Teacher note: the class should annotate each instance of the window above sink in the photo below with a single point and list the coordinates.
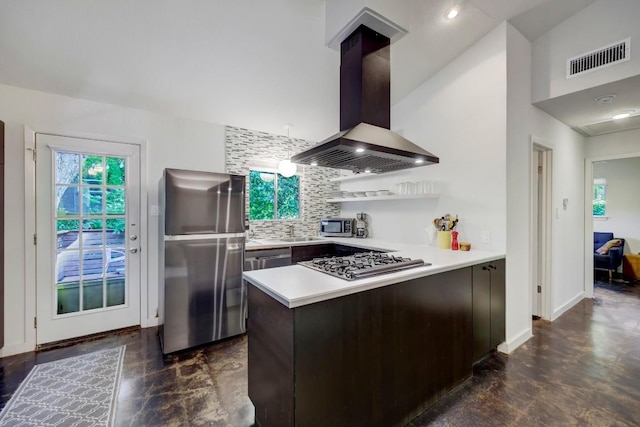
(273, 196)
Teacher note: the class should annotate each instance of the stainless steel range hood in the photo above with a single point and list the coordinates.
(365, 142)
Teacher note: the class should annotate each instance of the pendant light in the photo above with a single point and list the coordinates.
(285, 167)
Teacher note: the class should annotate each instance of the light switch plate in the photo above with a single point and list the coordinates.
(485, 236)
(155, 210)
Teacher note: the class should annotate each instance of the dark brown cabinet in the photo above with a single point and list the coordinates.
(374, 358)
(488, 307)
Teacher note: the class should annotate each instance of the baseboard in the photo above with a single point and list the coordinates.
(13, 349)
(510, 345)
(567, 306)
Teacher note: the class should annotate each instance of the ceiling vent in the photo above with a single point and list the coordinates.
(600, 58)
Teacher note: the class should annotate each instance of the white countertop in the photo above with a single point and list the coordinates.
(295, 285)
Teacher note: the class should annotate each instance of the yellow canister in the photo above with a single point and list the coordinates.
(443, 239)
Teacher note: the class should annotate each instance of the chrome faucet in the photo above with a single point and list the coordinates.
(290, 230)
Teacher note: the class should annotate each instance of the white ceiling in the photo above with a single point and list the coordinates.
(252, 63)
(581, 111)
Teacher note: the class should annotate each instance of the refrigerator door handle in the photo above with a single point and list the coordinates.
(192, 237)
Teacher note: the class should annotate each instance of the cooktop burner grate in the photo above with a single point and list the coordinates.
(362, 265)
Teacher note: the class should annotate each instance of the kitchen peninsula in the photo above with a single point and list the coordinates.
(371, 352)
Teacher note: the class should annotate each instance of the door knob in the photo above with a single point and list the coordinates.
(133, 237)
(133, 250)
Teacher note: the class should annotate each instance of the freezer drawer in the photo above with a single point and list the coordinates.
(204, 296)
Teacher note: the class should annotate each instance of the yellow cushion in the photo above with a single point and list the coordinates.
(604, 249)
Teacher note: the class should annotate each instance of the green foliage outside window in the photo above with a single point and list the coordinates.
(263, 203)
(599, 199)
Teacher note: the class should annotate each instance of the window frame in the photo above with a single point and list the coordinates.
(274, 170)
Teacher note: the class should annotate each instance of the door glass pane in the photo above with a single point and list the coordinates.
(115, 232)
(115, 201)
(68, 298)
(67, 233)
(92, 264)
(92, 169)
(67, 203)
(67, 279)
(92, 233)
(67, 266)
(67, 168)
(91, 201)
(116, 171)
(92, 294)
(115, 269)
(115, 291)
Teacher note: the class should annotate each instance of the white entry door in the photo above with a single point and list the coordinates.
(87, 228)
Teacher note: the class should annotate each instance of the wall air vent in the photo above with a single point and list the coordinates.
(603, 57)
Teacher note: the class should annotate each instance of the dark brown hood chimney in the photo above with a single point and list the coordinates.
(365, 142)
(365, 77)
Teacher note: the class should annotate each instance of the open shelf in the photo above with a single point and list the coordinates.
(389, 197)
(353, 177)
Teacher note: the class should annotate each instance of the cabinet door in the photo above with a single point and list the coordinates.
(498, 298)
(481, 310)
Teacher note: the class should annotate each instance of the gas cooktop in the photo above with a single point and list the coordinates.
(362, 265)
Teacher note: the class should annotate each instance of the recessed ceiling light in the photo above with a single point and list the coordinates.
(622, 115)
(605, 100)
(418, 161)
(367, 171)
(359, 150)
(453, 12)
(314, 163)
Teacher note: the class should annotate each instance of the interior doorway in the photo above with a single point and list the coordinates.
(620, 218)
(541, 191)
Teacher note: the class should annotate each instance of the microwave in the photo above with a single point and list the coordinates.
(336, 227)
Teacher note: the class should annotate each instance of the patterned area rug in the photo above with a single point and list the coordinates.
(77, 391)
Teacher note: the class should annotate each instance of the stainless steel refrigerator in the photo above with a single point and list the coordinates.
(202, 295)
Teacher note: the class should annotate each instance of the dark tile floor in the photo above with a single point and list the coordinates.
(581, 370)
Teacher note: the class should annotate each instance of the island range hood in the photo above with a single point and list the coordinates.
(365, 143)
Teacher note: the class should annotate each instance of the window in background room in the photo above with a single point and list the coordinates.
(272, 196)
(599, 197)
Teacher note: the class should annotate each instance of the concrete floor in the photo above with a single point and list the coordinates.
(583, 370)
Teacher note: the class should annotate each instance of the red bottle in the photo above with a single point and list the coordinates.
(454, 240)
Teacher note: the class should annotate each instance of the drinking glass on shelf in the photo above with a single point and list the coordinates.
(417, 188)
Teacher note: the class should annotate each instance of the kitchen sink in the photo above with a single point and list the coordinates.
(299, 239)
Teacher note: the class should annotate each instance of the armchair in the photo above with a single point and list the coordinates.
(612, 259)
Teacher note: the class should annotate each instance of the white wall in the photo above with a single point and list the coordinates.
(598, 25)
(172, 142)
(460, 116)
(613, 145)
(523, 121)
(623, 205)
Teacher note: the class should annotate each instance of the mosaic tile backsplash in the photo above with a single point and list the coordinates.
(244, 147)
